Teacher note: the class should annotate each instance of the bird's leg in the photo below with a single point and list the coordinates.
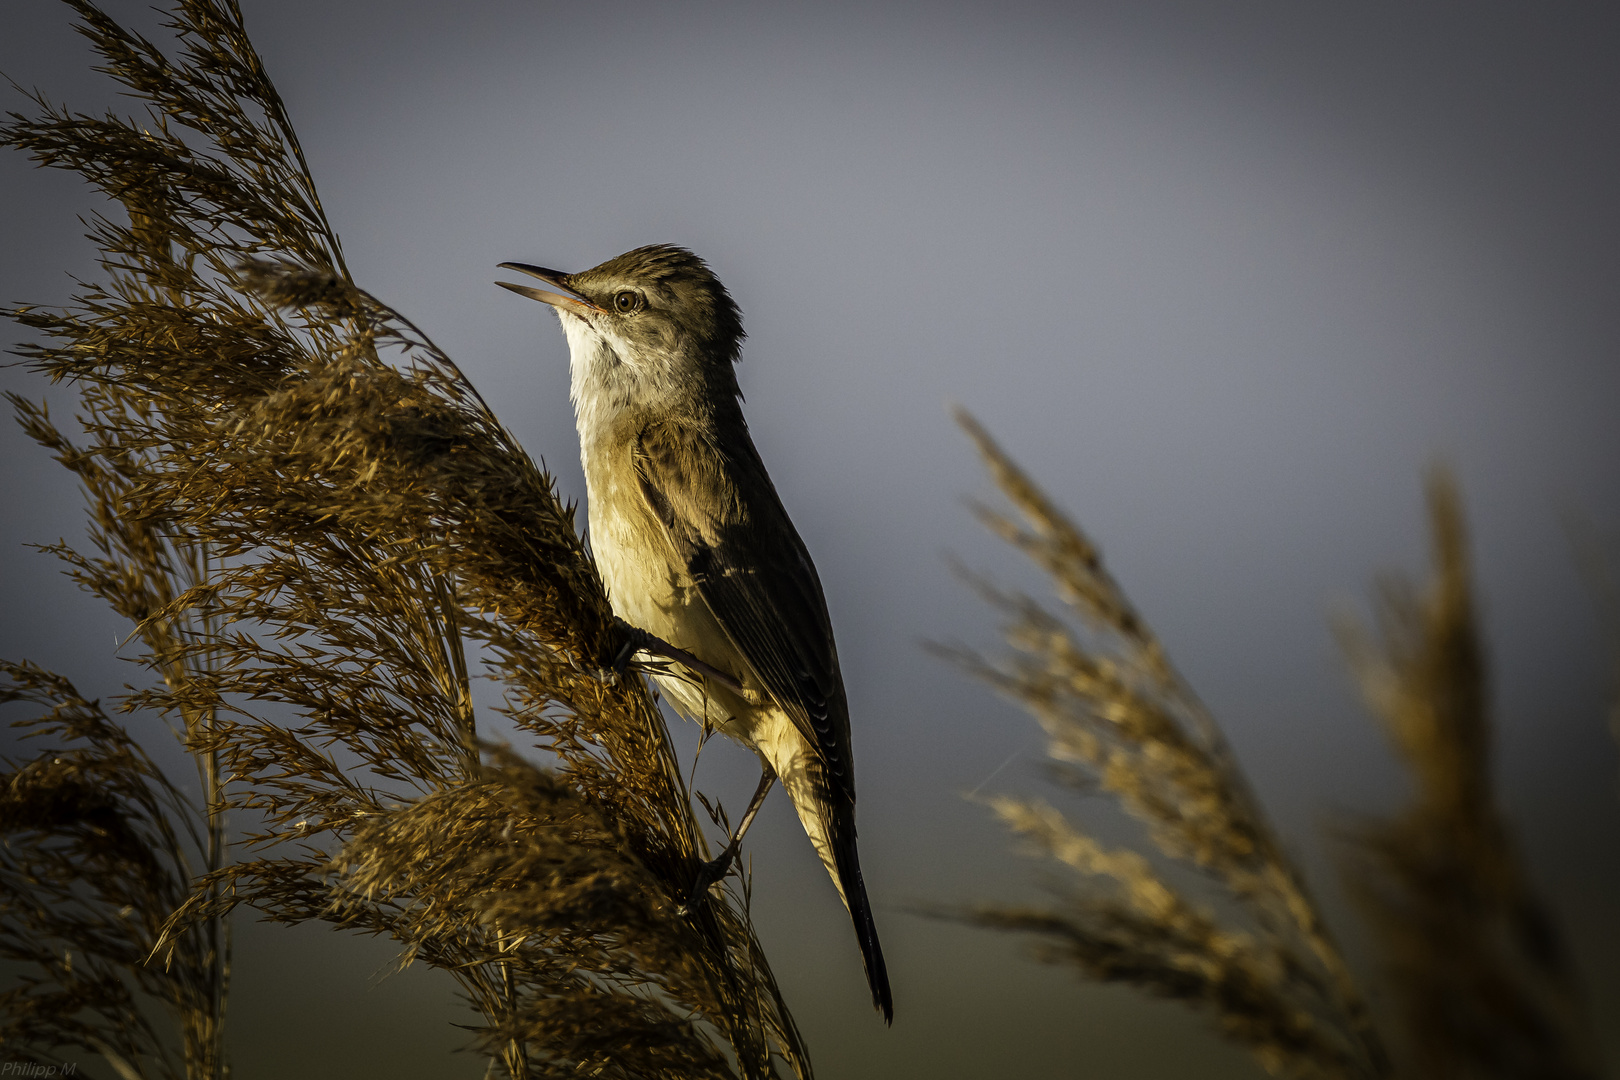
(633, 643)
(639, 640)
(715, 869)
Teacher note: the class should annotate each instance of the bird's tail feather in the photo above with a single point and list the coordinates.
(848, 865)
(828, 817)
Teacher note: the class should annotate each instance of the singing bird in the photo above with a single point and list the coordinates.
(695, 547)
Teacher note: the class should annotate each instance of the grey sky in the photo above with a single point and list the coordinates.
(1226, 278)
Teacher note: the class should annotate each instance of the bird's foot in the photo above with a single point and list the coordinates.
(708, 875)
(635, 639)
(639, 640)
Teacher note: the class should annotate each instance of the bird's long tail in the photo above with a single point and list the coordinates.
(848, 875)
(828, 817)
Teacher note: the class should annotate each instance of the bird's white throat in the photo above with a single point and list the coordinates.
(601, 385)
(608, 380)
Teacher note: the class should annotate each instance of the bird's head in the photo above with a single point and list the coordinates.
(645, 326)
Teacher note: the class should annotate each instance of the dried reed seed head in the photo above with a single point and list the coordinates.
(1485, 986)
(320, 532)
(283, 284)
(51, 795)
(1112, 705)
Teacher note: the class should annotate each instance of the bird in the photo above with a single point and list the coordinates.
(699, 556)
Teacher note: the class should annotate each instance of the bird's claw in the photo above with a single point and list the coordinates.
(634, 640)
(637, 639)
(708, 875)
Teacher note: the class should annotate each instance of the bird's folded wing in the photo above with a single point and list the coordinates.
(726, 524)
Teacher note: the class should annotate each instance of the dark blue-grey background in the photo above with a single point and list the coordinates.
(1227, 278)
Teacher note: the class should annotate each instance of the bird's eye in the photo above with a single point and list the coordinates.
(626, 302)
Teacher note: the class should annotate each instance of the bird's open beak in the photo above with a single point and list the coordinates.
(571, 302)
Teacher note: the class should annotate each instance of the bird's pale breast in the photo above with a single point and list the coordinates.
(651, 590)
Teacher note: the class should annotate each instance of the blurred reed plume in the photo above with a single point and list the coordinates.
(1484, 985)
(1118, 716)
(320, 533)
(1473, 958)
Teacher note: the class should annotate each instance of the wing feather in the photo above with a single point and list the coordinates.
(726, 523)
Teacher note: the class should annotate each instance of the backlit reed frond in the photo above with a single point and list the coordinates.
(1484, 985)
(334, 516)
(1117, 716)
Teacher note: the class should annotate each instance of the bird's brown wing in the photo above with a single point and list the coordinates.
(726, 524)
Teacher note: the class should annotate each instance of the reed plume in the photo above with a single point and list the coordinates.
(1118, 716)
(100, 847)
(321, 534)
(1484, 984)
(1486, 991)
